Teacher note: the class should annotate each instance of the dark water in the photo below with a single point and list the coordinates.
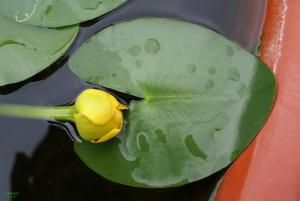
(36, 157)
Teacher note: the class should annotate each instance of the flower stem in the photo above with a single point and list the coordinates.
(61, 113)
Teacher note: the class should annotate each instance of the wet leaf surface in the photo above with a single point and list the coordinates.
(204, 100)
(26, 50)
(55, 13)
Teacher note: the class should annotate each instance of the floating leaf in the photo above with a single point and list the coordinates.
(27, 50)
(204, 100)
(55, 13)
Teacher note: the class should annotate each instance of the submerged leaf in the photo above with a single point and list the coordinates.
(204, 100)
(27, 50)
(55, 13)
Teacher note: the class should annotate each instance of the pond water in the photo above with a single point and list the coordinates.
(37, 160)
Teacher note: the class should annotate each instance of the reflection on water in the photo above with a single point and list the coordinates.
(37, 159)
(69, 128)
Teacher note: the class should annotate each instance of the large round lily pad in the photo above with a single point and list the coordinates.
(55, 13)
(27, 50)
(204, 100)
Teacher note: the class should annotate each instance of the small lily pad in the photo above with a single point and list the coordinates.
(27, 50)
(204, 100)
(55, 13)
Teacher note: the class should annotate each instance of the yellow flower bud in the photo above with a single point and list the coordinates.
(98, 116)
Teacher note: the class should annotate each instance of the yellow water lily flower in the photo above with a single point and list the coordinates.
(98, 115)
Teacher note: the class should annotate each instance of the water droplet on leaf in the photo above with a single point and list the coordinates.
(233, 74)
(194, 148)
(229, 51)
(217, 130)
(161, 137)
(134, 51)
(48, 10)
(152, 46)
(191, 68)
(212, 70)
(142, 142)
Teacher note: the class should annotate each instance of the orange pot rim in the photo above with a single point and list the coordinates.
(269, 170)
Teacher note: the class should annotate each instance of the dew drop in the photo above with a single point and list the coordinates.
(194, 148)
(152, 46)
(160, 136)
(191, 68)
(138, 64)
(209, 84)
(229, 51)
(142, 142)
(233, 74)
(212, 70)
(134, 51)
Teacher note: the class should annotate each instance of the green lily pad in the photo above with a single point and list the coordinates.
(55, 13)
(204, 100)
(27, 50)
